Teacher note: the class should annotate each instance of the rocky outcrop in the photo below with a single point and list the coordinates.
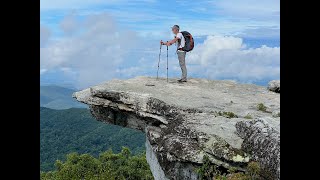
(274, 86)
(184, 122)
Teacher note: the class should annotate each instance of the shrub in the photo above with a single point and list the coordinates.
(206, 171)
(262, 107)
(227, 114)
(248, 116)
(238, 176)
(210, 171)
(253, 170)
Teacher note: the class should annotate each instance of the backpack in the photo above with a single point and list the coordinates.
(189, 41)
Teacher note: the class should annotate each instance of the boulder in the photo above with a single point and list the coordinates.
(274, 86)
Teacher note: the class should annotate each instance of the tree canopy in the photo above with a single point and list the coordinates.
(108, 166)
(75, 130)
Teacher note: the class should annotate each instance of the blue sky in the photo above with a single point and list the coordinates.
(84, 42)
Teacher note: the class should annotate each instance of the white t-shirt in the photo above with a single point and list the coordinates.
(182, 42)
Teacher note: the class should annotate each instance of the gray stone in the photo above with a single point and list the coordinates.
(274, 86)
(185, 121)
(152, 160)
(276, 113)
(263, 143)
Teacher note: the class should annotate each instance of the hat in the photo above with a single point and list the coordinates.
(175, 26)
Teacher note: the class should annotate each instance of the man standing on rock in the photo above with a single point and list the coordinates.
(181, 53)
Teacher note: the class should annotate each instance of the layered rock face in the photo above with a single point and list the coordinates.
(185, 121)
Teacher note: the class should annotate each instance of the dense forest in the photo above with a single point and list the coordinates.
(108, 166)
(75, 130)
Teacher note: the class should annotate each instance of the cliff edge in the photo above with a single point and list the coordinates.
(231, 123)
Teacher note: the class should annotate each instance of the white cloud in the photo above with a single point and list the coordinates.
(232, 17)
(99, 50)
(129, 72)
(69, 24)
(212, 46)
(92, 55)
(218, 57)
(45, 34)
(257, 32)
(43, 71)
(226, 57)
(224, 17)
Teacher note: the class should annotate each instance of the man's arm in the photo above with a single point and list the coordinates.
(169, 43)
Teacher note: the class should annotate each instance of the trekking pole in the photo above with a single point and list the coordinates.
(167, 62)
(159, 60)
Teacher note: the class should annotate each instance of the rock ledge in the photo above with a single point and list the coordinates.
(184, 122)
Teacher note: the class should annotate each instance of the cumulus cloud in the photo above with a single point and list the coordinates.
(93, 54)
(218, 57)
(228, 58)
(212, 46)
(99, 50)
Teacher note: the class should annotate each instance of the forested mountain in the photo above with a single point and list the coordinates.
(56, 97)
(75, 130)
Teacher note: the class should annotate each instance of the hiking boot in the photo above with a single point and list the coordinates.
(182, 80)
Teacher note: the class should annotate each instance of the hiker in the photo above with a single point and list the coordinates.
(182, 48)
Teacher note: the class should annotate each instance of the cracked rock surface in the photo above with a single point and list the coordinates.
(185, 121)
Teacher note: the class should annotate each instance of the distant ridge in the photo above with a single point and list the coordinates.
(56, 97)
